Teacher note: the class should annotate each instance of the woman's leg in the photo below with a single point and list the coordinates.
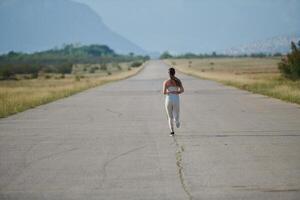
(169, 110)
(176, 112)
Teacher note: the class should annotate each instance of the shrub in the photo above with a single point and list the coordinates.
(47, 76)
(108, 73)
(277, 54)
(258, 55)
(116, 65)
(26, 77)
(93, 70)
(6, 72)
(290, 65)
(65, 68)
(77, 78)
(34, 75)
(136, 64)
(103, 66)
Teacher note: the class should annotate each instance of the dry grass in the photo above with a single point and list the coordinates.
(17, 96)
(258, 75)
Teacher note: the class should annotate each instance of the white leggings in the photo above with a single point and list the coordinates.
(172, 108)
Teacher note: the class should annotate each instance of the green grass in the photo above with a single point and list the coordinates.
(258, 75)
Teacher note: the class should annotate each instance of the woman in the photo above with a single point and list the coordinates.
(172, 88)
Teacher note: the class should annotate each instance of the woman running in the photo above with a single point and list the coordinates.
(172, 88)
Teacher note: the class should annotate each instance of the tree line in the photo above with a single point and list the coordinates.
(60, 60)
(167, 55)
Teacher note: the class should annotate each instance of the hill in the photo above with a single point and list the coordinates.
(36, 25)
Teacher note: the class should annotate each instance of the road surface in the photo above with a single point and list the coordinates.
(112, 142)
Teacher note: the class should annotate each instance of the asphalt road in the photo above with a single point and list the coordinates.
(112, 142)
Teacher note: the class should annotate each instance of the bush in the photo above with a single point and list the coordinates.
(77, 78)
(103, 66)
(290, 65)
(65, 68)
(116, 65)
(277, 54)
(258, 55)
(34, 75)
(93, 70)
(108, 73)
(47, 76)
(6, 72)
(136, 64)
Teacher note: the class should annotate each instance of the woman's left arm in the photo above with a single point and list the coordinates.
(164, 88)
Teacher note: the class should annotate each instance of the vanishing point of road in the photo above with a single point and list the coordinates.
(112, 142)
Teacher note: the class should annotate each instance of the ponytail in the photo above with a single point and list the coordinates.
(177, 81)
(174, 78)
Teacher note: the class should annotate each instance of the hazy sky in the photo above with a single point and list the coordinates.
(198, 25)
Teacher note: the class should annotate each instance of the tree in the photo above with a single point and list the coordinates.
(165, 55)
(278, 54)
(290, 65)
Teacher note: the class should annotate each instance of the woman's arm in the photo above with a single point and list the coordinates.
(181, 89)
(164, 87)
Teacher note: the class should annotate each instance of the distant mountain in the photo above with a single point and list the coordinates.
(280, 44)
(35, 25)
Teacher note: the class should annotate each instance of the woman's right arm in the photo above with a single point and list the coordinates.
(181, 89)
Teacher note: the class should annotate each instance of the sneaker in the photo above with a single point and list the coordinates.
(172, 133)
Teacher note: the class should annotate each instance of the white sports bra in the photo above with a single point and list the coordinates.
(172, 88)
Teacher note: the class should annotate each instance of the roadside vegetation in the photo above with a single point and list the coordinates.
(29, 80)
(272, 76)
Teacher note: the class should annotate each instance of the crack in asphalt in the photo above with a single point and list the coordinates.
(50, 156)
(179, 151)
(115, 112)
(115, 158)
(29, 164)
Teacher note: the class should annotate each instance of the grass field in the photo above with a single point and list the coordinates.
(19, 95)
(258, 75)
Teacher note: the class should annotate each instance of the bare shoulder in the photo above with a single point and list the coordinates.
(166, 82)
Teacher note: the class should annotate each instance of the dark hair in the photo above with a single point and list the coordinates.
(173, 77)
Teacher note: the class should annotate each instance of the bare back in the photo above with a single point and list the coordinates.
(170, 86)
